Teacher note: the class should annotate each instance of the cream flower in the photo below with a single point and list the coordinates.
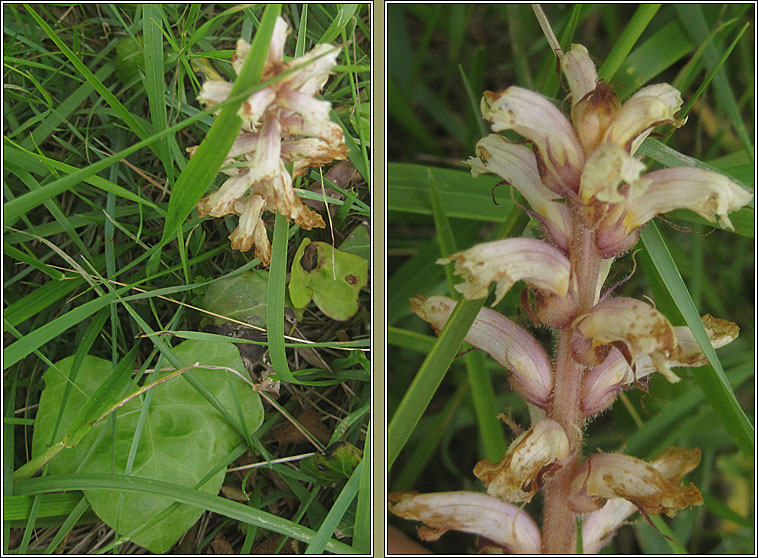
(599, 526)
(505, 524)
(614, 475)
(593, 156)
(528, 462)
(282, 122)
(514, 348)
(506, 261)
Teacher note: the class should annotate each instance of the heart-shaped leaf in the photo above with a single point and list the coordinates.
(183, 437)
(242, 297)
(358, 242)
(331, 278)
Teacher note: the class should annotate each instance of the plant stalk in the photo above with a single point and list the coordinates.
(558, 527)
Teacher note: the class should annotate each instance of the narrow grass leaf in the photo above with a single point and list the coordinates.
(277, 279)
(345, 13)
(123, 113)
(624, 44)
(155, 80)
(182, 494)
(712, 379)
(338, 509)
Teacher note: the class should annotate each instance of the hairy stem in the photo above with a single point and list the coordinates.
(558, 526)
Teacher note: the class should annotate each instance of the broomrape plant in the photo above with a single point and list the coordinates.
(282, 123)
(592, 199)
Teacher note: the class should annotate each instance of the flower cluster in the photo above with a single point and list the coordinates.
(592, 199)
(282, 123)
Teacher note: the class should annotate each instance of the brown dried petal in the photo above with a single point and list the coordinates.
(528, 460)
(613, 475)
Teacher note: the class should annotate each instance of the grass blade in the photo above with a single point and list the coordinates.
(277, 280)
(712, 380)
(182, 494)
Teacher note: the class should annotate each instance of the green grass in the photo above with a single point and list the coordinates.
(440, 59)
(104, 254)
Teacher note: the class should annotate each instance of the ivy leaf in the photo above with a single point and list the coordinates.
(183, 437)
(331, 278)
(243, 297)
(358, 242)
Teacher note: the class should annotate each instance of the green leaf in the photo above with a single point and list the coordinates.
(178, 493)
(712, 379)
(183, 436)
(331, 278)
(334, 464)
(358, 242)
(242, 297)
(461, 195)
(129, 59)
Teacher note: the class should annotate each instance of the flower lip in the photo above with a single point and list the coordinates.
(709, 194)
(537, 263)
(556, 146)
(599, 526)
(634, 322)
(613, 475)
(502, 523)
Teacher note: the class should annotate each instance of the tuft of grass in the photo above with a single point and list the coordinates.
(105, 256)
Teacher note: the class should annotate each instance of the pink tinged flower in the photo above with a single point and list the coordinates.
(537, 263)
(516, 165)
(255, 107)
(305, 105)
(594, 104)
(289, 203)
(580, 72)
(329, 131)
(311, 78)
(606, 169)
(688, 353)
(531, 459)
(614, 475)
(214, 92)
(244, 238)
(306, 153)
(666, 93)
(514, 348)
(221, 202)
(556, 146)
(643, 328)
(265, 163)
(639, 115)
(709, 194)
(504, 524)
(275, 53)
(599, 526)
(601, 384)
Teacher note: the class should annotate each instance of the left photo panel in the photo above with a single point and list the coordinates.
(186, 279)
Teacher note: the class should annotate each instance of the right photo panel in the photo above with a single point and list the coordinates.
(572, 356)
